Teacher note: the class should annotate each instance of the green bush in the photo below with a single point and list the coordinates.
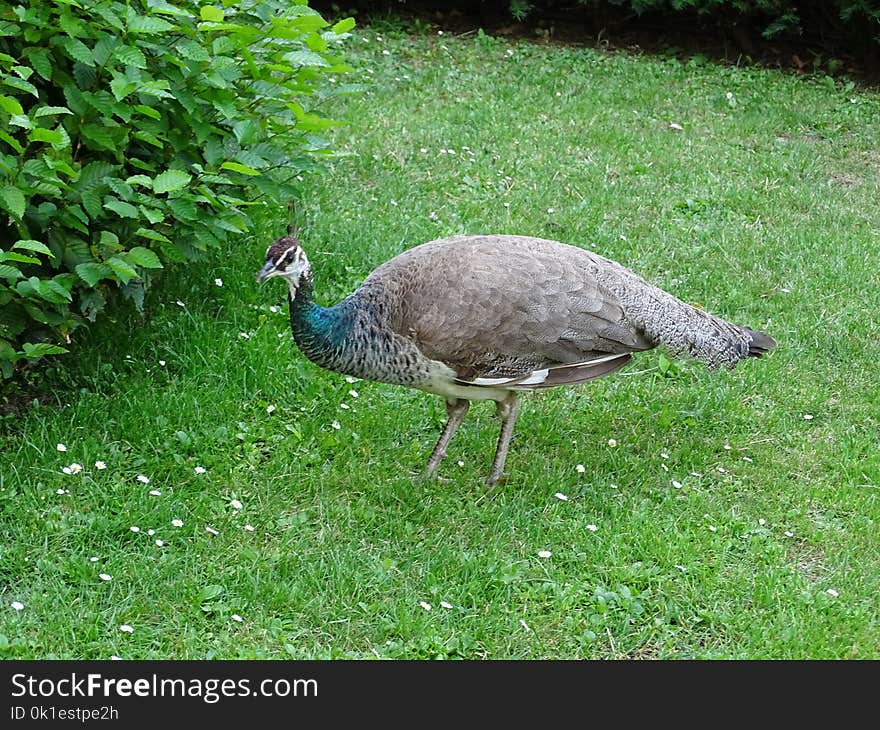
(136, 134)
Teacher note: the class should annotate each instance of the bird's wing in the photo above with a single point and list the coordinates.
(507, 306)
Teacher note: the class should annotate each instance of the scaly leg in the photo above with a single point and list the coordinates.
(456, 410)
(507, 410)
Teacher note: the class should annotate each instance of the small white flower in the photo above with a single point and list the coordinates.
(274, 309)
(66, 470)
(200, 470)
(712, 528)
(270, 409)
(61, 447)
(613, 486)
(93, 559)
(762, 521)
(179, 303)
(509, 51)
(105, 576)
(788, 533)
(159, 543)
(142, 479)
(125, 628)
(676, 484)
(592, 528)
(558, 93)
(236, 617)
(393, 202)
(562, 497)
(151, 532)
(59, 491)
(522, 622)
(680, 567)
(729, 94)
(235, 504)
(134, 528)
(155, 493)
(249, 528)
(663, 466)
(727, 447)
(100, 465)
(460, 462)
(210, 529)
(831, 592)
(218, 282)
(612, 443)
(176, 522)
(425, 605)
(676, 126)
(445, 604)
(344, 406)
(664, 455)
(335, 425)
(423, 150)
(244, 335)
(162, 363)
(746, 458)
(17, 605)
(350, 380)
(386, 52)
(550, 211)
(544, 554)
(75, 468)
(808, 416)
(580, 468)
(721, 469)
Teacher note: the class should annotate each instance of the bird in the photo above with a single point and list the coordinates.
(488, 317)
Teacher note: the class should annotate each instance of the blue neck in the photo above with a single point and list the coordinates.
(320, 332)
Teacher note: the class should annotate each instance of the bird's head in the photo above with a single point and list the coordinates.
(285, 258)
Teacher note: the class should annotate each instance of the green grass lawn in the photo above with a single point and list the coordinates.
(736, 517)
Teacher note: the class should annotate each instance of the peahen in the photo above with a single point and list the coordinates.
(486, 317)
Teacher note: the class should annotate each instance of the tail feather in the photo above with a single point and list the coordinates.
(760, 344)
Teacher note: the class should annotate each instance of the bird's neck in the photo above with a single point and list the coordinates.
(321, 333)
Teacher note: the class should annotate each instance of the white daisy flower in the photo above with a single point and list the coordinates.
(143, 479)
(218, 282)
(105, 576)
(61, 447)
(235, 504)
(200, 470)
(236, 617)
(17, 605)
(561, 497)
(425, 605)
(445, 604)
(100, 465)
(176, 522)
(126, 629)
(544, 554)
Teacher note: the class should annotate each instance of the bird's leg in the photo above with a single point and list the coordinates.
(507, 410)
(456, 410)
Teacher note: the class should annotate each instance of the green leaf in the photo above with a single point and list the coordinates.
(9, 272)
(148, 111)
(41, 348)
(152, 235)
(211, 14)
(46, 111)
(124, 270)
(343, 26)
(144, 257)
(91, 302)
(10, 105)
(79, 51)
(40, 134)
(22, 259)
(210, 592)
(192, 50)
(171, 181)
(130, 56)
(148, 24)
(126, 210)
(21, 85)
(92, 273)
(31, 245)
(238, 167)
(12, 200)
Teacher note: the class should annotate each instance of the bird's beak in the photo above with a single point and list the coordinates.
(265, 272)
